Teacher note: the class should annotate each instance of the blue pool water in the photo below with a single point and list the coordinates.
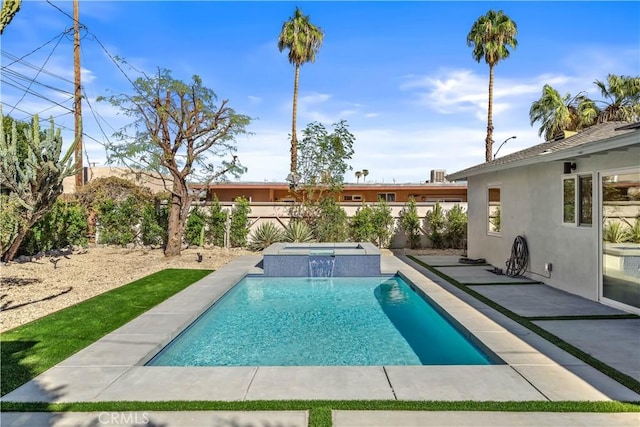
(348, 321)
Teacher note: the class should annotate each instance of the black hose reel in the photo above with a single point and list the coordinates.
(519, 259)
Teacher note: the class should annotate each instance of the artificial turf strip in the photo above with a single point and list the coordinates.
(31, 349)
(320, 411)
(587, 317)
(624, 379)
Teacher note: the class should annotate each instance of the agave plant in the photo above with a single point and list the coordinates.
(633, 232)
(264, 236)
(298, 232)
(614, 232)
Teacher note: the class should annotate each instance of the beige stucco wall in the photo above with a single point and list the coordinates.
(531, 199)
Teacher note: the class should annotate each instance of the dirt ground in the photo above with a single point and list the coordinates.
(34, 289)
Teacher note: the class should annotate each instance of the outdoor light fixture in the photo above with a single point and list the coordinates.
(503, 142)
(569, 166)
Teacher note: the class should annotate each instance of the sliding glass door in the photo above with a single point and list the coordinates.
(620, 195)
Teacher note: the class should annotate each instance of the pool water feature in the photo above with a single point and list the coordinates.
(299, 259)
(366, 321)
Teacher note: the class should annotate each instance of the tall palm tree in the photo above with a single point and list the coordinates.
(303, 39)
(557, 113)
(622, 98)
(365, 172)
(490, 37)
(358, 175)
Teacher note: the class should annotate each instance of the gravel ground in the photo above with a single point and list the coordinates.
(34, 289)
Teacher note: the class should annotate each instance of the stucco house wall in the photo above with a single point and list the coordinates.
(531, 206)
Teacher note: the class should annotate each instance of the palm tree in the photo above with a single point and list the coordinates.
(490, 37)
(557, 113)
(303, 39)
(622, 98)
(358, 175)
(365, 172)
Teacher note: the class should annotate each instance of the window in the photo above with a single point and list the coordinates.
(493, 210)
(387, 197)
(585, 191)
(352, 198)
(569, 200)
(577, 200)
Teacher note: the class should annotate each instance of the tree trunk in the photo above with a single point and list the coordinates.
(489, 140)
(294, 137)
(178, 212)
(13, 249)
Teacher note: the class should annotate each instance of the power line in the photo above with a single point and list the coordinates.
(15, 76)
(38, 48)
(38, 73)
(29, 65)
(62, 11)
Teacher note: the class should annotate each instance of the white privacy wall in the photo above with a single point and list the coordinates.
(531, 206)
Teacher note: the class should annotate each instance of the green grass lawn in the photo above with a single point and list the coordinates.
(35, 347)
(31, 349)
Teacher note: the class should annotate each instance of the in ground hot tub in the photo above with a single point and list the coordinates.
(321, 260)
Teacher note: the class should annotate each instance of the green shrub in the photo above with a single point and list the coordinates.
(456, 227)
(331, 223)
(216, 223)
(361, 225)
(10, 219)
(264, 236)
(382, 222)
(195, 227)
(436, 226)
(154, 224)
(409, 223)
(298, 232)
(239, 229)
(66, 223)
(118, 221)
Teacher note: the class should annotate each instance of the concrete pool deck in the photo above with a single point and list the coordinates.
(112, 368)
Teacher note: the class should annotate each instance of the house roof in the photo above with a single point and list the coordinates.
(582, 143)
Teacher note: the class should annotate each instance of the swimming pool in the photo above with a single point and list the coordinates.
(344, 321)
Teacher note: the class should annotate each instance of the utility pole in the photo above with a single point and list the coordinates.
(77, 96)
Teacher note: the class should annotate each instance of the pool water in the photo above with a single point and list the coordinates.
(343, 321)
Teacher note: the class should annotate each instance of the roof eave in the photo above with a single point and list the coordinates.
(585, 149)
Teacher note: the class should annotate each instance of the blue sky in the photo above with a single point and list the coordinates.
(400, 73)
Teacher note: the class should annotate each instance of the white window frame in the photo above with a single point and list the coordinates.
(577, 214)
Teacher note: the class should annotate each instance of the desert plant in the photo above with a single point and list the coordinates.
(614, 232)
(633, 232)
(239, 229)
(361, 226)
(264, 236)
(298, 232)
(456, 227)
(436, 224)
(382, 222)
(409, 223)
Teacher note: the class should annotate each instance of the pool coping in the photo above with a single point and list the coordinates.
(111, 369)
